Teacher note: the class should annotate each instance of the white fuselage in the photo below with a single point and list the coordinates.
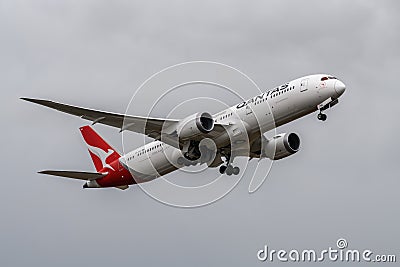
(259, 114)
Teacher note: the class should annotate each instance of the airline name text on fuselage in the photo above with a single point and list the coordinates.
(263, 95)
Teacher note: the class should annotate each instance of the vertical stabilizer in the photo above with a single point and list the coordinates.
(100, 151)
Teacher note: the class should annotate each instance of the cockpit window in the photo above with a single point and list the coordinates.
(328, 78)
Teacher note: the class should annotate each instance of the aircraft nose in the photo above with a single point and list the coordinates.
(339, 87)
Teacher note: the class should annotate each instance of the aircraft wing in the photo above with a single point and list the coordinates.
(152, 127)
(133, 123)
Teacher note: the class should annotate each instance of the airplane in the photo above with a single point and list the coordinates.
(238, 131)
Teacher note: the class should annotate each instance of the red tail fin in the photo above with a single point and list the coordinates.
(102, 153)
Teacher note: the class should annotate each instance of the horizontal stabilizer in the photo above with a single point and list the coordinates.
(76, 175)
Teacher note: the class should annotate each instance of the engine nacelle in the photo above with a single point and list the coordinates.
(195, 125)
(282, 146)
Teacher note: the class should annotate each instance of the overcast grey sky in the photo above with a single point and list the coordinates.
(343, 183)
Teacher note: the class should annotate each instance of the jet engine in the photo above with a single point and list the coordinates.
(281, 146)
(195, 125)
(190, 132)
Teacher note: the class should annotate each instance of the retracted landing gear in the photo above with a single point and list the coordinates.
(321, 116)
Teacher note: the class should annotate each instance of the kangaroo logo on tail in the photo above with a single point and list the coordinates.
(100, 151)
(102, 155)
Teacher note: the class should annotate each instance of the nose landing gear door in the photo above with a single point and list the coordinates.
(304, 85)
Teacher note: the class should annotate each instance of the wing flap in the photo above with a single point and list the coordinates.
(75, 174)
